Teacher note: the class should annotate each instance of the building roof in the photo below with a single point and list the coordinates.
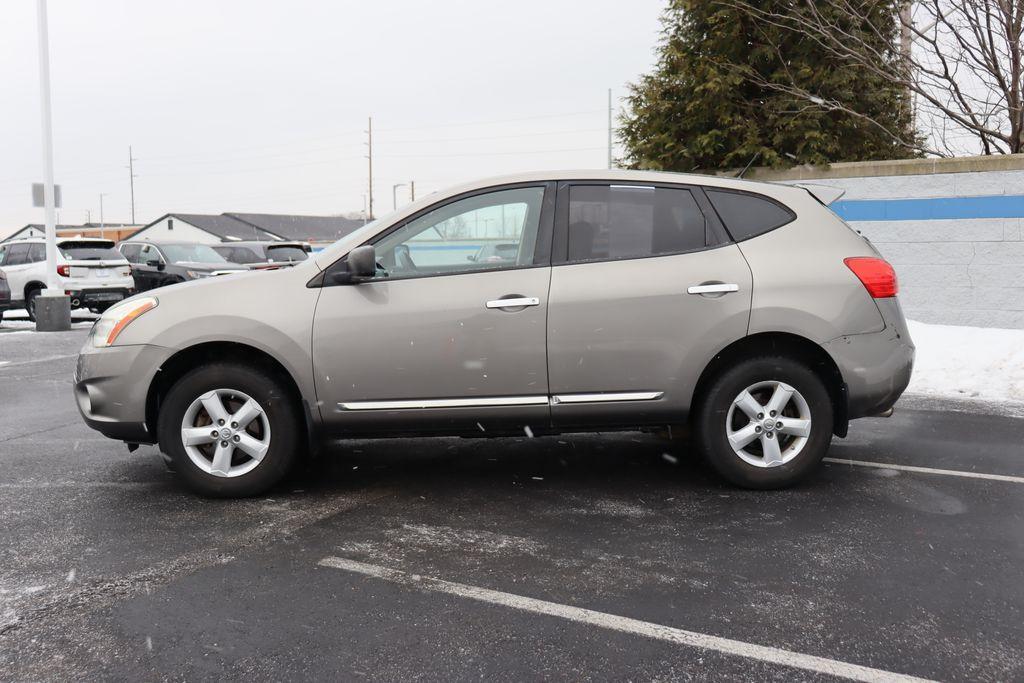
(301, 228)
(226, 227)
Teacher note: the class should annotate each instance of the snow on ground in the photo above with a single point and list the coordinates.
(979, 363)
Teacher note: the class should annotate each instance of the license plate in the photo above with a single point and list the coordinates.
(107, 296)
(102, 272)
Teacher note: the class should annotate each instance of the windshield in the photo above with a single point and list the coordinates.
(288, 253)
(89, 251)
(192, 253)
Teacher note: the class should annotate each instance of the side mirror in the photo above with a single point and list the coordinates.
(362, 262)
(155, 263)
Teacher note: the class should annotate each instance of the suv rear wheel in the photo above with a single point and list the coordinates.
(230, 429)
(765, 423)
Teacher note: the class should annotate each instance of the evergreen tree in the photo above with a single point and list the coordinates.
(729, 88)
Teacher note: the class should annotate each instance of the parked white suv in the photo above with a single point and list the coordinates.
(90, 270)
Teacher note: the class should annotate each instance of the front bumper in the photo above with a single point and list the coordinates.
(112, 385)
(876, 367)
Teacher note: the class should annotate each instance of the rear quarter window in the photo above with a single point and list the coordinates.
(748, 215)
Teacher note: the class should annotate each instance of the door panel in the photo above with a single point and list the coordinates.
(630, 326)
(428, 354)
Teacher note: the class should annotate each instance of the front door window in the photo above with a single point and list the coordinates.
(492, 231)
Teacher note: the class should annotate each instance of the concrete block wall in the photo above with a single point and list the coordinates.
(953, 229)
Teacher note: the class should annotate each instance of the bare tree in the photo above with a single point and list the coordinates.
(961, 63)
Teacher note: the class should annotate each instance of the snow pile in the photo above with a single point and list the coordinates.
(968, 362)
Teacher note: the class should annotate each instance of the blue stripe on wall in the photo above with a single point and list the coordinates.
(996, 206)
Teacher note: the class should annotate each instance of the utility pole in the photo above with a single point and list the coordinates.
(53, 310)
(102, 233)
(369, 157)
(610, 160)
(131, 179)
(394, 196)
(412, 190)
(906, 19)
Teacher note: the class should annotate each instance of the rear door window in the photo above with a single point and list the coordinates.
(37, 253)
(748, 215)
(17, 254)
(131, 252)
(632, 221)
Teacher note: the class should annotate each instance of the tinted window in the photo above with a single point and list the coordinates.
(192, 253)
(3, 255)
(17, 254)
(445, 240)
(131, 252)
(89, 251)
(286, 253)
(747, 215)
(37, 253)
(613, 222)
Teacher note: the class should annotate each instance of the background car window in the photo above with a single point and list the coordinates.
(3, 255)
(192, 253)
(614, 222)
(483, 232)
(89, 251)
(747, 215)
(239, 254)
(286, 253)
(150, 253)
(17, 255)
(37, 253)
(131, 252)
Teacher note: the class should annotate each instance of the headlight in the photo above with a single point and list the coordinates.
(116, 318)
(196, 274)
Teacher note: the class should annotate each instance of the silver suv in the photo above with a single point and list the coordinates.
(632, 300)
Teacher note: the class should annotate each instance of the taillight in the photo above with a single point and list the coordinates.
(64, 271)
(877, 276)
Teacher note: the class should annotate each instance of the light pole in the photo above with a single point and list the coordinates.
(53, 313)
(394, 195)
(102, 233)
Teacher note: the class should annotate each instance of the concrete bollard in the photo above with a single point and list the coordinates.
(53, 312)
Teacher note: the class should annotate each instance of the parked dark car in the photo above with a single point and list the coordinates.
(5, 295)
(264, 255)
(156, 264)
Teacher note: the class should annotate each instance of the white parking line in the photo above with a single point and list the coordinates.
(8, 364)
(927, 470)
(622, 624)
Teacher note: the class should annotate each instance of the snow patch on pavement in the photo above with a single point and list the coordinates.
(972, 363)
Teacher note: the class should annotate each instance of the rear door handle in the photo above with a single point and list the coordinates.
(515, 302)
(718, 288)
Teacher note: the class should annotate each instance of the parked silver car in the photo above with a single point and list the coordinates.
(633, 300)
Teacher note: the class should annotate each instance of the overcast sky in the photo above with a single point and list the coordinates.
(257, 106)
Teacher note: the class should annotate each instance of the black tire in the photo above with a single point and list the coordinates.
(30, 303)
(713, 411)
(279, 405)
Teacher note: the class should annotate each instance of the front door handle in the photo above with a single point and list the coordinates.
(713, 288)
(514, 302)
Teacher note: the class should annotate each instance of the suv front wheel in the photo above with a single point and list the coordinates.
(230, 430)
(765, 423)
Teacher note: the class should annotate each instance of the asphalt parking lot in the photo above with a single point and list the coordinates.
(616, 556)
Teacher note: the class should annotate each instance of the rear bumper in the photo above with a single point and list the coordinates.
(111, 387)
(876, 367)
(99, 295)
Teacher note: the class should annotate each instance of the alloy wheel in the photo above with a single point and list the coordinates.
(768, 424)
(225, 433)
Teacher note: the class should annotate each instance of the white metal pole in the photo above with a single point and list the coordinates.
(610, 162)
(102, 233)
(48, 194)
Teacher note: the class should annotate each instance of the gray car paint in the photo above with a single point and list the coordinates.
(355, 342)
